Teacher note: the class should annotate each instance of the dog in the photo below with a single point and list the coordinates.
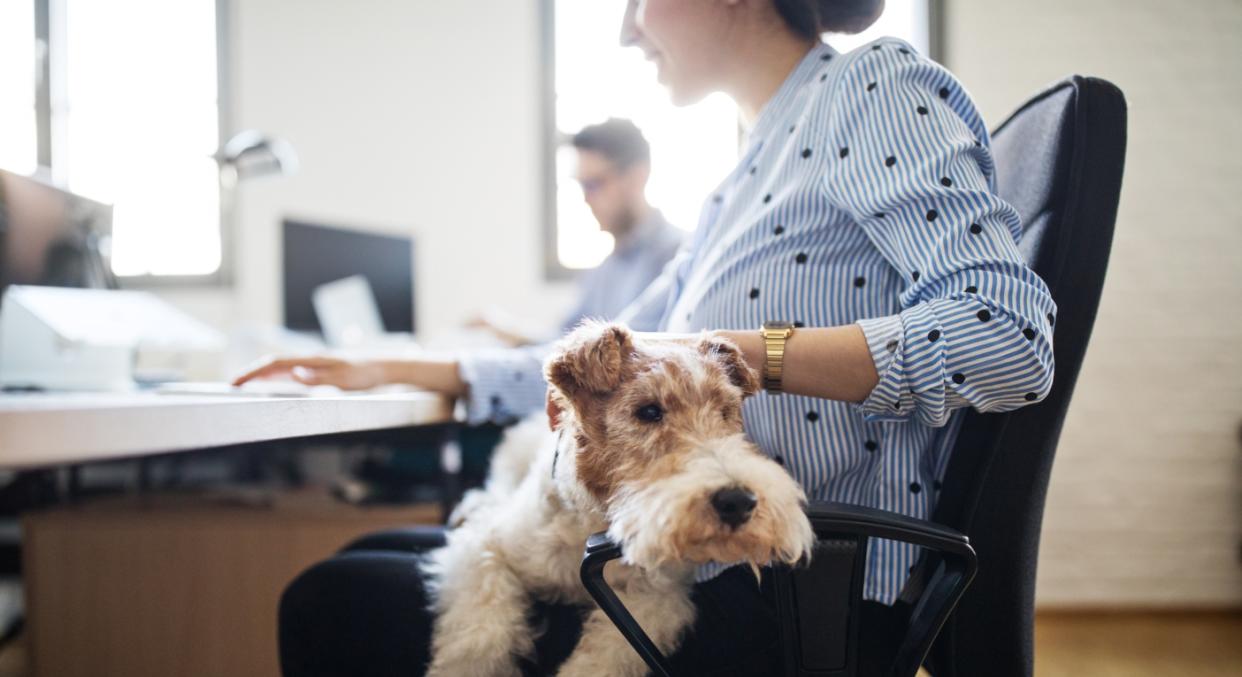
(645, 443)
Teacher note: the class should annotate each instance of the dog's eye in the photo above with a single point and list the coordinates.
(650, 413)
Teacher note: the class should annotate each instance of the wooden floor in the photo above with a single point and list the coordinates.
(1123, 644)
(1078, 644)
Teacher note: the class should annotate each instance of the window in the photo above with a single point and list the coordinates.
(132, 119)
(18, 129)
(692, 148)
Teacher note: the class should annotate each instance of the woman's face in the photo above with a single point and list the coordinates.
(684, 39)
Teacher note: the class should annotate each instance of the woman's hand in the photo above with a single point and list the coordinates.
(318, 370)
(439, 375)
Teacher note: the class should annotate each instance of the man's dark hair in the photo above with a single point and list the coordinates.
(809, 18)
(618, 140)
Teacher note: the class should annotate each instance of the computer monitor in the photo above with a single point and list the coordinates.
(51, 237)
(314, 255)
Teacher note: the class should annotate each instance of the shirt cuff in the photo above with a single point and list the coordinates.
(502, 385)
(887, 338)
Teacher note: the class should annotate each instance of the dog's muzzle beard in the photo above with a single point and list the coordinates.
(725, 503)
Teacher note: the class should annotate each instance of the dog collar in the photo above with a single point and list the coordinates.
(556, 452)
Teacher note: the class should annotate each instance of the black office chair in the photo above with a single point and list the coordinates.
(1059, 163)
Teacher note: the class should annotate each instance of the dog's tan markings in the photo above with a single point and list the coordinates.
(593, 362)
(594, 463)
(729, 357)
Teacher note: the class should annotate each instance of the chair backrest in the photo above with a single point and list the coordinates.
(1059, 162)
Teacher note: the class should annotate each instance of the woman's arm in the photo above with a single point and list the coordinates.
(975, 322)
(440, 375)
(832, 363)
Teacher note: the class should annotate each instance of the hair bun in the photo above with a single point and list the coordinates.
(847, 16)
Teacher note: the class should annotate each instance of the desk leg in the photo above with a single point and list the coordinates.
(144, 476)
(74, 489)
(450, 471)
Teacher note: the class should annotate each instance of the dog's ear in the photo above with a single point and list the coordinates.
(593, 360)
(730, 358)
(553, 409)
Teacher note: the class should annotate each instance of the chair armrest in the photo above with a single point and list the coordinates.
(934, 587)
(839, 518)
(601, 550)
(933, 590)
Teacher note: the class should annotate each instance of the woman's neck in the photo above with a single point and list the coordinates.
(763, 64)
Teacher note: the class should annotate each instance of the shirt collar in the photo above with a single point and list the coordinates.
(773, 112)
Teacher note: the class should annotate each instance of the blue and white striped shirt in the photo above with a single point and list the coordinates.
(866, 195)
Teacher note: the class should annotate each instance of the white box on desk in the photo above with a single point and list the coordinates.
(54, 338)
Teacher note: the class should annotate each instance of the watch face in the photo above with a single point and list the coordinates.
(777, 326)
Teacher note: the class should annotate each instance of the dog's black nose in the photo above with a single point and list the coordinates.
(733, 505)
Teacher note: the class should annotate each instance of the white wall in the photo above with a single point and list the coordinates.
(408, 116)
(1145, 506)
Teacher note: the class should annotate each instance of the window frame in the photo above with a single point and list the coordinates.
(46, 47)
(554, 271)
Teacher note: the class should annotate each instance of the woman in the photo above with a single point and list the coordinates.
(863, 213)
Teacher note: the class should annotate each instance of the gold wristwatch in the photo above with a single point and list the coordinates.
(775, 334)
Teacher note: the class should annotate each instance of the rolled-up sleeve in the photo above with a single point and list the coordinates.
(503, 384)
(913, 170)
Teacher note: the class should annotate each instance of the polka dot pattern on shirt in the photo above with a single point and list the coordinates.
(906, 220)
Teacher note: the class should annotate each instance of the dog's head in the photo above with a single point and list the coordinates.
(655, 429)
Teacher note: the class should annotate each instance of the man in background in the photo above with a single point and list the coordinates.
(614, 163)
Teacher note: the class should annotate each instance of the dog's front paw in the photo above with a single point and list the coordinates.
(589, 668)
(470, 503)
(473, 667)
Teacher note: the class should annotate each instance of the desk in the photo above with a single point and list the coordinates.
(144, 585)
(39, 430)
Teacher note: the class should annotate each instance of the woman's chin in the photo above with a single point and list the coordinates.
(684, 96)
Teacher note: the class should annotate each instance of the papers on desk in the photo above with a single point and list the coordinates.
(249, 389)
(273, 388)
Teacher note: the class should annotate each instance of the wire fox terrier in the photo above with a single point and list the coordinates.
(647, 444)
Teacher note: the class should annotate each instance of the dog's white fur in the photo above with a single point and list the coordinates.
(522, 537)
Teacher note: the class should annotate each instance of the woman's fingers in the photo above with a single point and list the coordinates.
(329, 376)
(281, 366)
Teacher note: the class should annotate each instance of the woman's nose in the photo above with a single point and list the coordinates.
(629, 28)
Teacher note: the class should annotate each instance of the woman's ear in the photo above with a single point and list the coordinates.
(729, 357)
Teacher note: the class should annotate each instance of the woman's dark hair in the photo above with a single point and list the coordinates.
(809, 18)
